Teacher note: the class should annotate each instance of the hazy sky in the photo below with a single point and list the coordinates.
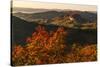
(46, 5)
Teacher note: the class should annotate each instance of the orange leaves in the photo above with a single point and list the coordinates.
(42, 45)
(50, 47)
(88, 51)
(39, 62)
(42, 38)
(28, 40)
(17, 50)
(82, 54)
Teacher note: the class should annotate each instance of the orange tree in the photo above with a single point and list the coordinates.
(42, 47)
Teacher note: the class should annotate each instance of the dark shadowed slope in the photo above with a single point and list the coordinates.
(21, 29)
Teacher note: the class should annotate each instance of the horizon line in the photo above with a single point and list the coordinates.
(49, 5)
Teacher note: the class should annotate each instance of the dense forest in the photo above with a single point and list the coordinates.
(53, 37)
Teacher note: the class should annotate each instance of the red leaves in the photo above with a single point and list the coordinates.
(42, 44)
(28, 40)
(17, 50)
(41, 36)
(44, 47)
(39, 62)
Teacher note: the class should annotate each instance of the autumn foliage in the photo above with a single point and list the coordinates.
(49, 47)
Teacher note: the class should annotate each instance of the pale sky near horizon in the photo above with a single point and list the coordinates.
(46, 5)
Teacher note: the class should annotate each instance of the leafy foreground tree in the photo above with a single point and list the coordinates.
(49, 47)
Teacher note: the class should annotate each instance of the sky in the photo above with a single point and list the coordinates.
(46, 5)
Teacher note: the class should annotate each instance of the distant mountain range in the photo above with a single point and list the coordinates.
(31, 10)
(53, 14)
(37, 10)
(60, 18)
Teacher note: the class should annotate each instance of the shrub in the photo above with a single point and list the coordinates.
(47, 47)
(42, 47)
